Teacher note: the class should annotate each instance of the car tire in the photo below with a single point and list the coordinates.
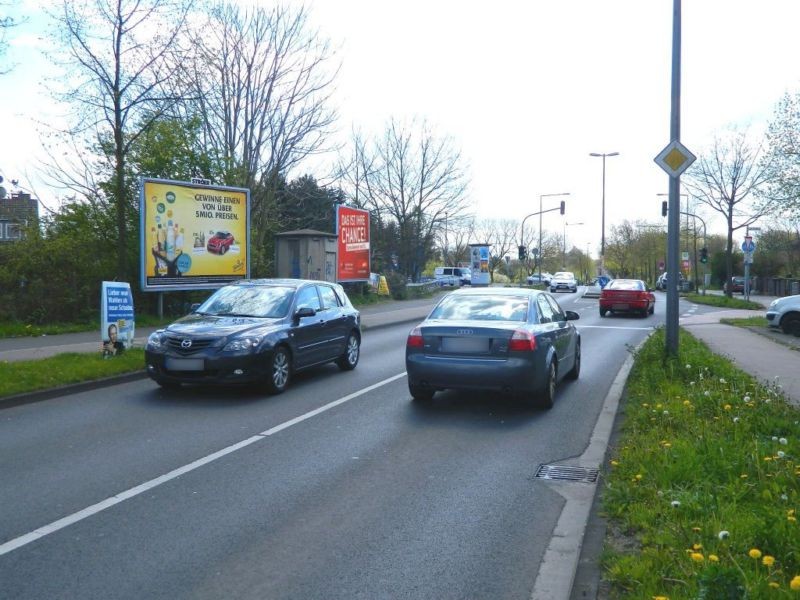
(790, 324)
(603, 312)
(547, 394)
(223, 249)
(352, 351)
(575, 371)
(575, 291)
(652, 310)
(280, 370)
(552, 290)
(420, 394)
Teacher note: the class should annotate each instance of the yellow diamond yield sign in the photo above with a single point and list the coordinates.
(675, 158)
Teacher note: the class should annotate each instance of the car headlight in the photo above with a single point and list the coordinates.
(246, 344)
(774, 303)
(155, 341)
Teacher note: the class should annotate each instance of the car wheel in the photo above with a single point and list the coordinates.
(349, 360)
(421, 394)
(280, 368)
(575, 371)
(791, 324)
(652, 309)
(603, 312)
(223, 249)
(548, 392)
(552, 290)
(575, 291)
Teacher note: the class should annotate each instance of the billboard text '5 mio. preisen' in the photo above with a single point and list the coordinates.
(193, 236)
(352, 226)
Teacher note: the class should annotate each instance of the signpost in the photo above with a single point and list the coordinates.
(748, 247)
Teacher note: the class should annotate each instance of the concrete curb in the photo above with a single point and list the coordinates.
(410, 315)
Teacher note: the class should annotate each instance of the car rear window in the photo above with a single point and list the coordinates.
(482, 308)
(625, 284)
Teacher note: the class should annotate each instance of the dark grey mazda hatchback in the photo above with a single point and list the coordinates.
(254, 331)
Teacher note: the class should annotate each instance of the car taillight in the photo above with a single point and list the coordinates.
(415, 338)
(522, 341)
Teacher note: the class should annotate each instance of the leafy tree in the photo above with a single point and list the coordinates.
(117, 65)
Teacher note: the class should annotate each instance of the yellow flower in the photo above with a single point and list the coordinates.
(795, 583)
(754, 553)
(614, 463)
(686, 403)
(638, 477)
(713, 558)
(727, 407)
(768, 560)
(696, 529)
(660, 598)
(743, 475)
(697, 546)
(791, 519)
(790, 512)
(772, 584)
(697, 557)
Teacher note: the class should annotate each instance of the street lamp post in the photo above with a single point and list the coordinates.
(603, 224)
(564, 254)
(541, 254)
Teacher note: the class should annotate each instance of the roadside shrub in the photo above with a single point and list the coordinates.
(397, 285)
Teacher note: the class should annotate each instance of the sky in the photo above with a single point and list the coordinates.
(525, 89)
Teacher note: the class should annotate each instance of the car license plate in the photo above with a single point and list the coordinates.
(184, 364)
(620, 307)
(465, 344)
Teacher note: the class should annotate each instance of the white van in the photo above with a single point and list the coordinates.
(453, 275)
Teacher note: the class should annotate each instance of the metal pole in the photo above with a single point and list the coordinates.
(539, 251)
(603, 224)
(746, 267)
(673, 221)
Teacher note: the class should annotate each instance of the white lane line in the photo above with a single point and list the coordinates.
(87, 512)
(614, 327)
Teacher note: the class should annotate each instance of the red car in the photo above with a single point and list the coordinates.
(220, 242)
(627, 295)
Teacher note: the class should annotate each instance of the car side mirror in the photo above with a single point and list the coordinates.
(193, 308)
(572, 315)
(304, 311)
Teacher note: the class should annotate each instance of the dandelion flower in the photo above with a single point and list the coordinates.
(688, 366)
(614, 463)
(791, 519)
(697, 557)
(754, 553)
(795, 583)
(696, 529)
(638, 477)
(660, 598)
(723, 535)
(774, 438)
(721, 380)
(782, 441)
(727, 407)
(691, 383)
(780, 454)
(706, 393)
(784, 497)
(746, 398)
(774, 585)
(675, 503)
(735, 419)
(686, 403)
(743, 475)
(713, 558)
(768, 560)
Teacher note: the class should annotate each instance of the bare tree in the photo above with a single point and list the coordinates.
(414, 179)
(729, 179)
(7, 22)
(260, 81)
(116, 58)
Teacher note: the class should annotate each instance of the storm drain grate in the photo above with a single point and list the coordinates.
(565, 473)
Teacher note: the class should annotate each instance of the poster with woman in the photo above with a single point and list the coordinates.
(117, 323)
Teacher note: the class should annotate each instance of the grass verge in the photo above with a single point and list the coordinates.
(724, 301)
(703, 486)
(24, 376)
(748, 322)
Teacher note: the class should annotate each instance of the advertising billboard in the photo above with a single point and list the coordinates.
(353, 261)
(193, 236)
(479, 263)
(117, 323)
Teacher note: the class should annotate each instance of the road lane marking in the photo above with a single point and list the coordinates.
(94, 509)
(615, 327)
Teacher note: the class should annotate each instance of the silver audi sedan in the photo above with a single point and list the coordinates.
(511, 340)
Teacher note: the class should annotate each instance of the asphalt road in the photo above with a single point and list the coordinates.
(339, 488)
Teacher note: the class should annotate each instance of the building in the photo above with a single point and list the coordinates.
(17, 212)
(306, 254)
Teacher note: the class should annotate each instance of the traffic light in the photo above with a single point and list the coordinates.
(664, 208)
(704, 255)
(563, 206)
(522, 252)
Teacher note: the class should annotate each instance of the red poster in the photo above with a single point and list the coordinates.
(353, 230)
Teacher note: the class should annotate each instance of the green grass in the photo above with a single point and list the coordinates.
(31, 375)
(748, 322)
(723, 301)
(10, 329)
(703, 482)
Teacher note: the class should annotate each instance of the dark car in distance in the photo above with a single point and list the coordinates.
(220, 242)
(508, 340)
(257, 331)
(736, 284)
